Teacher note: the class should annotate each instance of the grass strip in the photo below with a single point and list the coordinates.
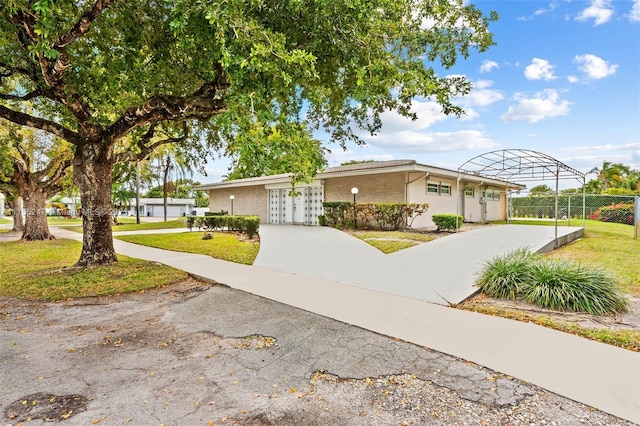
(222, 245)
(48, 275)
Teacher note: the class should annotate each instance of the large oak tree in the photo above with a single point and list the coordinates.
(33, 168)
(110, 76)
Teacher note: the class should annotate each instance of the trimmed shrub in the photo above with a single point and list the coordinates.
(220, 213)
(447, 222)
(191, 221)
(337, 212)
(383, 216)
(246, 224)
(251, 225)
(551, 284)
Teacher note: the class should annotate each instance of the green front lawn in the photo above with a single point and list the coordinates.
(42, 270)
(129, 224)
(391, 241)
(223, 245)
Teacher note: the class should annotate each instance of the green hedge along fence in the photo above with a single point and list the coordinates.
(383, 216)
(246, 224)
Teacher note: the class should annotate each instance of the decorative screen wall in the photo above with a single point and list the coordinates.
(283, 208)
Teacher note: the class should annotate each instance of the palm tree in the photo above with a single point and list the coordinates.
(170, 159)
(120, 197)
(611, 175)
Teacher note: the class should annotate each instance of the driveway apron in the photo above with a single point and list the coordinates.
(441, 271)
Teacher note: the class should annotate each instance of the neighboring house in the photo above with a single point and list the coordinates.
(477, 198)
(63, 206)
(151, 207)
(154, 207)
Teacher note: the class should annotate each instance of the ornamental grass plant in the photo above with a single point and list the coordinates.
(566, 286)
(503, 276)
(551, 284)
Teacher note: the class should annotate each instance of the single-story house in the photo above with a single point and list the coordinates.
(477, 198)
(151, 207)
(154, 207)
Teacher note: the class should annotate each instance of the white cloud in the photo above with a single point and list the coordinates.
(542, 11)
(488, 66)
(481, 95)
(428, 112)
(595, 67)
(599, 10)
(540, 69)
(634, 15)
(573, 79)
(424, 142)
(546, 104)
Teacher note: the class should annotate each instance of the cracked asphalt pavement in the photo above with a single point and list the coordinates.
(195, 354)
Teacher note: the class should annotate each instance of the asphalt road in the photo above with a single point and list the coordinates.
(196, 354)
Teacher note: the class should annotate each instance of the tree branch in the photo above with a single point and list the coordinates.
(206, 102)
(147, 148)
(83, 24)
(23, 119)
(26, 97)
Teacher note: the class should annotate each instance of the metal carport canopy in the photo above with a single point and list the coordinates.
(521, 165)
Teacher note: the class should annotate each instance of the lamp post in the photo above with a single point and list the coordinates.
(231, 197)
(354, 191)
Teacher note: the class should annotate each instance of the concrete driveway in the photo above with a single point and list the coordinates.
(441, 271)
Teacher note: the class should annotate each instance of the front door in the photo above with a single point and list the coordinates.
(299, 204)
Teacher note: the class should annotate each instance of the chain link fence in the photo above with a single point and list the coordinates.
(574, 207)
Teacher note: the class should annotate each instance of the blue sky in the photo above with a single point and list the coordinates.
(563, 79)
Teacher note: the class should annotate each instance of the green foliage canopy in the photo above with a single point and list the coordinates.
(118, 78)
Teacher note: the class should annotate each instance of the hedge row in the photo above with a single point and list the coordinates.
(447, 222)
(384, 216)
(246, 224)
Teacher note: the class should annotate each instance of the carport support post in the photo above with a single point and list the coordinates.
(555, 243)
(231, 197)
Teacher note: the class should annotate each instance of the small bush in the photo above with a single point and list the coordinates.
(251, 225)
(382, 216)
(551, 284)
(618, 213)
(246, 224)
(447, 222)
(220, 213)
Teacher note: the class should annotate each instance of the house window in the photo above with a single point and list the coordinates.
(469, 192)
(491, 195)
(432, 188)
(436, 188)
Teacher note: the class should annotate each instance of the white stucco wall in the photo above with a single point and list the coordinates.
(438, 203)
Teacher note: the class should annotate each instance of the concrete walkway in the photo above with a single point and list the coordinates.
(600, 375)
(442, 271)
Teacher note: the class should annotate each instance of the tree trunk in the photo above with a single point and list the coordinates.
(36, 227)
(92, 169)
(164, 185)
(18, 219)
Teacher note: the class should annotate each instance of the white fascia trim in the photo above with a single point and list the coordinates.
(287, 185)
